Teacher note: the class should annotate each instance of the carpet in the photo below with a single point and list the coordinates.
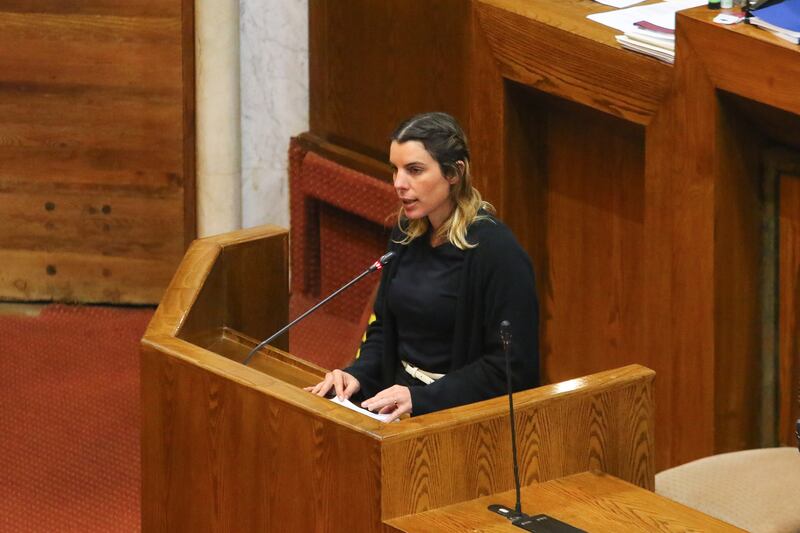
(70, 419)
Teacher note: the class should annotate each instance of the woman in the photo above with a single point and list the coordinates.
(459, 272)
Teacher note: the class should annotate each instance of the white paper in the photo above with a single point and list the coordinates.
(619, 3)
(652, 51)
(354, 407)
(661, 14)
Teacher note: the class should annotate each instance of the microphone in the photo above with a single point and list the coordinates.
(377, 265)
(540, 523)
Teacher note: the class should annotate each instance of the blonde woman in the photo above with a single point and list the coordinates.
(459, 272)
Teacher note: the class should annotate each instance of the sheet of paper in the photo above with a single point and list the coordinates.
(619, 3)
(354, 407)
(661, 14)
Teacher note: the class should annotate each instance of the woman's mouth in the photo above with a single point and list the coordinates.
(407, 202)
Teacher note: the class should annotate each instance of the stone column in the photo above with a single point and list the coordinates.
(218, 116)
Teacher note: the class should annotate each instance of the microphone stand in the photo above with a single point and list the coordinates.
(540, 523)
(377, 265)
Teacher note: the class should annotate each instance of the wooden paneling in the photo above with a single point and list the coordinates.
(219, 456)
(600, 422)
(591, 501)
(789, 307)
(738, 264)
(552, 47)
(400, 57)
(96, 148)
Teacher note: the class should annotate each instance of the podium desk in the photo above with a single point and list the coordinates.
(591, 501)
(229, 447)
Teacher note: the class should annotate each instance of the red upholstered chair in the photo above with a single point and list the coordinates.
(340, 223)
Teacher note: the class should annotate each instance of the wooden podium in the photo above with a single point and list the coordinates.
(227, 447)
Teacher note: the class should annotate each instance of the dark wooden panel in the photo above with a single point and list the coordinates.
(789, 307)
(401, 58)
(96, 147)
(737, 263)
(254, 269)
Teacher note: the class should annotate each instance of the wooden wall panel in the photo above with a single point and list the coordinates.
(737, 263)
(96, 148)
(789, 307)
(582, 222)
(400, 57)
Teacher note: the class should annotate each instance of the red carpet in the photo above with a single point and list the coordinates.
(70, 419)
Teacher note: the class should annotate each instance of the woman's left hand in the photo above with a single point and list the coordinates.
(396, 400)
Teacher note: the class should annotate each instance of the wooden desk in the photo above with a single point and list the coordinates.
(590, 500)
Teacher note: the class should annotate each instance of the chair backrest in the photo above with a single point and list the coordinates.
(340, 224)
(757, 490)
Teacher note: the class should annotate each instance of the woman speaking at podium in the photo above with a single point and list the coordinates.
(458, 273)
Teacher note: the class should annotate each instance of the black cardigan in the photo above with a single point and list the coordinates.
(497, 284)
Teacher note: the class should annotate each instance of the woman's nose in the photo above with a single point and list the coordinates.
(400, 181)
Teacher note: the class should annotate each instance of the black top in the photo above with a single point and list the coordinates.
(422, 297)
(496, 284)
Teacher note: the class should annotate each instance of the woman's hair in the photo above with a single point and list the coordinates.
(445, 141)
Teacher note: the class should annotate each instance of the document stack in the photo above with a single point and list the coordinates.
(782, 19)
(647, 29)
(649, 39)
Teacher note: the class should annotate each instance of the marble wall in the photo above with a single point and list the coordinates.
(274, 102)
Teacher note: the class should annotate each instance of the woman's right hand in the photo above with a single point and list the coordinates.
(343, 383)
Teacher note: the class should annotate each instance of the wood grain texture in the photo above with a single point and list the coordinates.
(591, 501)
(236, 281)
(553, 48)
(789, 308)
(96, 148)
(633, 185)
(738, 263)
(403, 58)
(600, 422)
(228, 447)
(220, 456)
(776, 62)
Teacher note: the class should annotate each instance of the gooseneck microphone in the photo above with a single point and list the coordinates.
(377, 265)
(540, 523)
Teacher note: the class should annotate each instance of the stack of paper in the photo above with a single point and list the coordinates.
(655, 43)
(648, 29)
(782, 19)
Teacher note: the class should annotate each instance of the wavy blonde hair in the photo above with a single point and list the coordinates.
(446, 142)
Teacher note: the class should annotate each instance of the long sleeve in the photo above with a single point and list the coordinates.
(367, 368)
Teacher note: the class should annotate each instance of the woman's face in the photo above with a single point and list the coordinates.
(420, 184)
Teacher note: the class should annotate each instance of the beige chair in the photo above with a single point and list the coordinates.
(757, 490)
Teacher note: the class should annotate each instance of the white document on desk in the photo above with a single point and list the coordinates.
(619, 3)
(354, 407)
(661, 14)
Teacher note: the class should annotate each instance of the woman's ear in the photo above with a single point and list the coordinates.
(460, 168)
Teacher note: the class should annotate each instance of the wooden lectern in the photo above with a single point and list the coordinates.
(232, 448)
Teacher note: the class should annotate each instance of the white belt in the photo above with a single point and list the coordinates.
(426, 377)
